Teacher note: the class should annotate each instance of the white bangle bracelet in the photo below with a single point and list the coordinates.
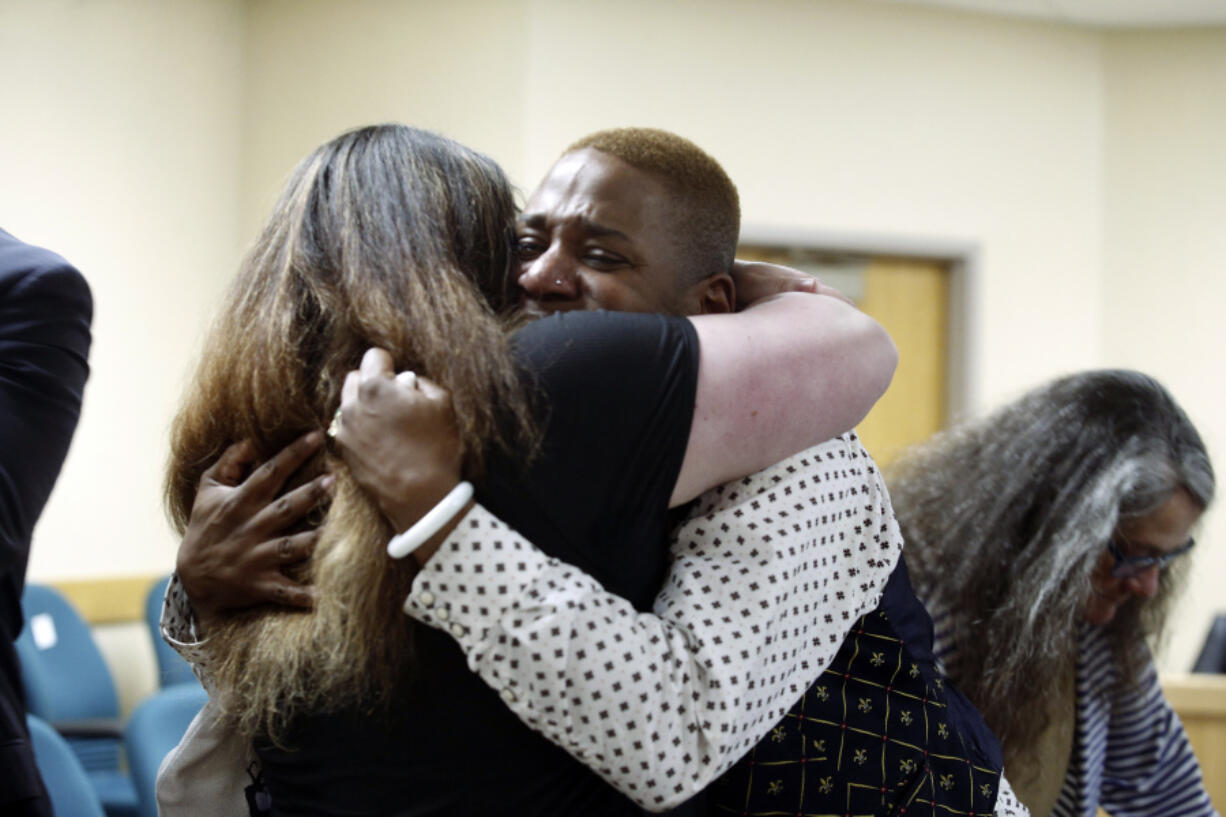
(402, 544)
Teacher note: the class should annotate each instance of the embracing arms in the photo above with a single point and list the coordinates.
(702, 703)
(786, 373)
(794, 370)
(660, 704)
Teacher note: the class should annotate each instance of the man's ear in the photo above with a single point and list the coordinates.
(710, 296)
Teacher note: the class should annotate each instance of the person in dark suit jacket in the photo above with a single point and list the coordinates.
(45, 312)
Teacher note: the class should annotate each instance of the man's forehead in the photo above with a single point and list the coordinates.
(597, 188)
(542, 220)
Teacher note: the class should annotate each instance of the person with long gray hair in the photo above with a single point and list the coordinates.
(1045, 541)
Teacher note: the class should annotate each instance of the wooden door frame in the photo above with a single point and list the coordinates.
(960, 256)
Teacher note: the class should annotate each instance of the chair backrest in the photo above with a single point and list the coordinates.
(66, 781)
(65, 675)
(172, 669)
(155, 728)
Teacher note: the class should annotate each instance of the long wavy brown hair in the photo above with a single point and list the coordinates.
(385, 236)
(1006, 518)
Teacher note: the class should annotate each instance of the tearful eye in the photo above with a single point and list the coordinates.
(528, 247)
(602, 260)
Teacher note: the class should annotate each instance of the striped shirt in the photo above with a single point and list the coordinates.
(1131, 756)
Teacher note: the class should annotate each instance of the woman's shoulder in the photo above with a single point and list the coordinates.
(616, 328)
(631, 376)
(603, 343)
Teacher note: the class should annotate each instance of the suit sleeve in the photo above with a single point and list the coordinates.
(45, 314)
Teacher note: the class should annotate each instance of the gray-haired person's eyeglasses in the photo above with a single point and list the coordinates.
(1129, 566)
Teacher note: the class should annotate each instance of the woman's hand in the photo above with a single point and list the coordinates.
(398, 436)
(755, 281)
(238, 538)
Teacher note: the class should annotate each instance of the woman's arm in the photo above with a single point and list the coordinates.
(1149, 767)
(241, 535)
(758, 367)
(660, 704)
(780, 376)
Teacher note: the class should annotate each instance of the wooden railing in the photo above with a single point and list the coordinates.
(109, 600)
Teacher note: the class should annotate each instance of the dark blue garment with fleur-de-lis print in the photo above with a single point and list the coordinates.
(880, 732)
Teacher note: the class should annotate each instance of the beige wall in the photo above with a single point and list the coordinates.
(1164, 212)
(864, 117)
(145, 140)
(120, 149)
(318, 67)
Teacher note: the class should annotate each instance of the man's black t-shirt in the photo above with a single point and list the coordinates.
(617, 399)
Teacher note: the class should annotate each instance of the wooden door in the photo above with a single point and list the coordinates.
(910, 298)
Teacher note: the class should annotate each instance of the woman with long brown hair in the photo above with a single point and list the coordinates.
(397, 238)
